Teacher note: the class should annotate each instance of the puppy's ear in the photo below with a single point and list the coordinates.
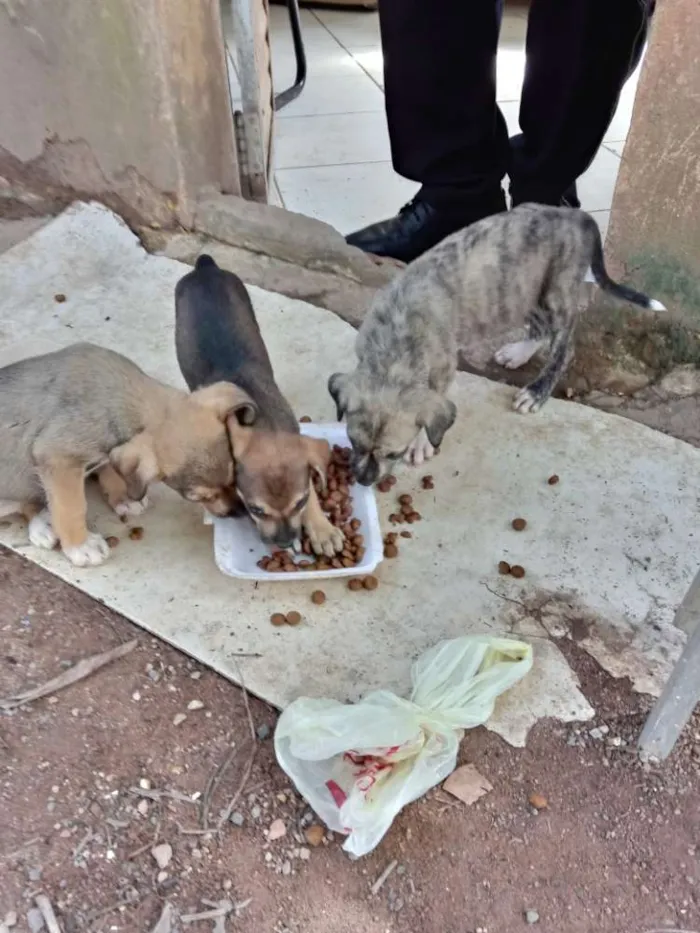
(318, 453)
(338, 386)
(437, 415)
(239, 435)
(226, 400)
(136, 461)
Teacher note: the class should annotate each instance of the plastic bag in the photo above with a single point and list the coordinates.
(359, 764)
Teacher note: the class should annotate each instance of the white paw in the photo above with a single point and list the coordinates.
(525, 402)
(419, 450)
(326, 539)
(91, 553)
(131, 506)
(515, 355)
(41, 534)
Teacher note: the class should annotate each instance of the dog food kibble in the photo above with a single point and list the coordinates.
(112, 541)
(517, 571)
(391, 480)
(504, 567)
(293, 618)
(370, 583)
(384, 485)
(136, 534)
(318, 597)
(553, 480)
(519, 524)
(305, 419)
(391, 551)
(405, 499)
(406, 534)
(277, 618)
(355, 584)
(60, 298)
(427, 482)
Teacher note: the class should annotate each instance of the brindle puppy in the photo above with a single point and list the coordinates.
(522, 267)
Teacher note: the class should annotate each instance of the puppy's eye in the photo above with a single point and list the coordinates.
(256, 512)
(394, 456)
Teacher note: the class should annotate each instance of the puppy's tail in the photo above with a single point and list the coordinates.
(603, 280)
(205, 261)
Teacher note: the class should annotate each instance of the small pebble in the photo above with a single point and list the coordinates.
(237, 819)
(178, 719)
(35, 921)
(314, 835)
(161, 877)
(538, 801)
(276, 831)
(255, 812)
(287, 868)
(34, 874)
(531, 916)
(304, 854)
(195, 704)
(263, 731)
(162, 854)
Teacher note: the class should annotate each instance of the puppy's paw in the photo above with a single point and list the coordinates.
(515, 355)
(325, 538)
(91, 553)
(419, 450)
(41, 533)
(527, 401)
(131, 506)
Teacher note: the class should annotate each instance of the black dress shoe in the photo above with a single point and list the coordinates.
(417, 228)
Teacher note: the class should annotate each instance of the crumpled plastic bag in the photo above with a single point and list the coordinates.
(359, 764)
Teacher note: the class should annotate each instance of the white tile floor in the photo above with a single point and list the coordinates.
(332, 158)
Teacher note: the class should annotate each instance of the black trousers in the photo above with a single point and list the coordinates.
(446, 129)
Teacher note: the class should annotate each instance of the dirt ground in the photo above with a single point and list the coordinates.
(95, 776)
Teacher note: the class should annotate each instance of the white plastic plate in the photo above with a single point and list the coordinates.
(237, 544)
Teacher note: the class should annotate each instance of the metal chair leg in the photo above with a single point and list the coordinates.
(291, 93)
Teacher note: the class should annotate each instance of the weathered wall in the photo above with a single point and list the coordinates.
(654, 231)
(126, 100)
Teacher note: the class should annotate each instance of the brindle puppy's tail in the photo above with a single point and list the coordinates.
(603, 280)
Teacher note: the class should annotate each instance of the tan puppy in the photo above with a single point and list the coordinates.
(87, 410)
(218, 337)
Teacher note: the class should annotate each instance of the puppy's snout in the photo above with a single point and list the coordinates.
(366, 468)
(284, 535)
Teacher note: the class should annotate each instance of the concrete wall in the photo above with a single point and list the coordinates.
(654, 232)
(125, 100)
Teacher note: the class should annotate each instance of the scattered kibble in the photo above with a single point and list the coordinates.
(293, 617)
(519, 524)
(277, 618)
(370, 583)
(427, 482)
(136, 534)
(504, 567)
(391, 551)
(318, 597)
(553, 480)
(406, 534)
(517, 571)
(305, 419)
(112, 541)
(355, 584)
(60, 298)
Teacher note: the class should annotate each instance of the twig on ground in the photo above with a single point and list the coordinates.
(222, 909)
(214, 779)
(126, 901)
(165, 921)
(195, 832)
(223, 819)
(26, 845)
(160, 794)
(81, 845)
(44, 905)
(79, 671)
(382, 879)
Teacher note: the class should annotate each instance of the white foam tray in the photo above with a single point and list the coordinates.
(237, 544)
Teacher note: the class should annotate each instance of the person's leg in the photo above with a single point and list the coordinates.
(445, 129)
(579, 55)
